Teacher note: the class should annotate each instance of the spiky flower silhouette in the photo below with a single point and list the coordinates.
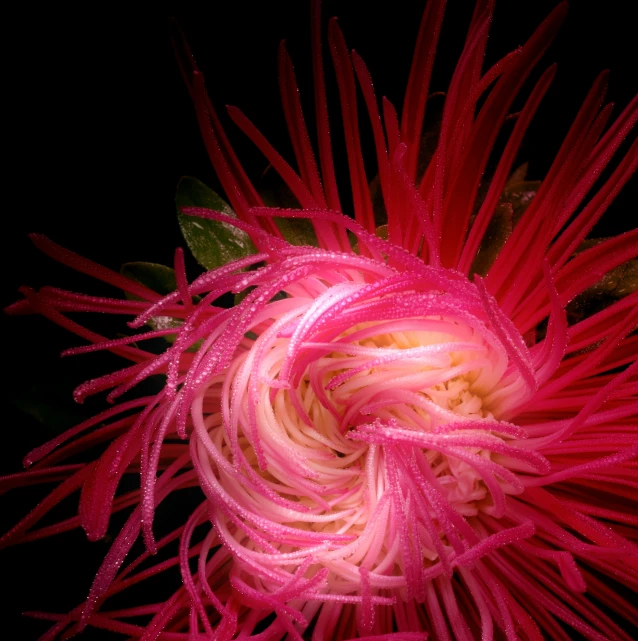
(399, 432)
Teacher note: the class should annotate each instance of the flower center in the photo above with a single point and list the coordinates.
(361, 436)
(362, 446)
(447, 366)
(423, 379)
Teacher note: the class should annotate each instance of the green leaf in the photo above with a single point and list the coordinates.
(297, 231)
(212, 243)
(378, 206)
(497, 232)
(520, 195)
(275, 193)
(518, 175)
(614, 285)
(517, 195)
(241, 295)
(159, 278)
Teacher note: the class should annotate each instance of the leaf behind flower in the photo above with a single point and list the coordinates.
(213, 243)
(159, 278)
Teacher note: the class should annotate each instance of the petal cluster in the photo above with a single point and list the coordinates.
(388, 439)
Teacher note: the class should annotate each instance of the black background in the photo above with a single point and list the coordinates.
(99, 128)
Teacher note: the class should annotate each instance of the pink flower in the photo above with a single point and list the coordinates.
(397, 434)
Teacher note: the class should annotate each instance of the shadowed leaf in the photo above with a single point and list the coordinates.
(297, 231)
(497, 232)
(159, 278)
(614, 285)
(275, 193)
(212, 243)
(520, 195)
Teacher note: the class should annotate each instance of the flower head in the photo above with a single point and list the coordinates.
(398, 430)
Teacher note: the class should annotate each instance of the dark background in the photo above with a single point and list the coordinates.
(100, 128)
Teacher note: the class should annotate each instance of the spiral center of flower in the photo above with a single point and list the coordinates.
(421, 379)
(446, 366)
(348, 443)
